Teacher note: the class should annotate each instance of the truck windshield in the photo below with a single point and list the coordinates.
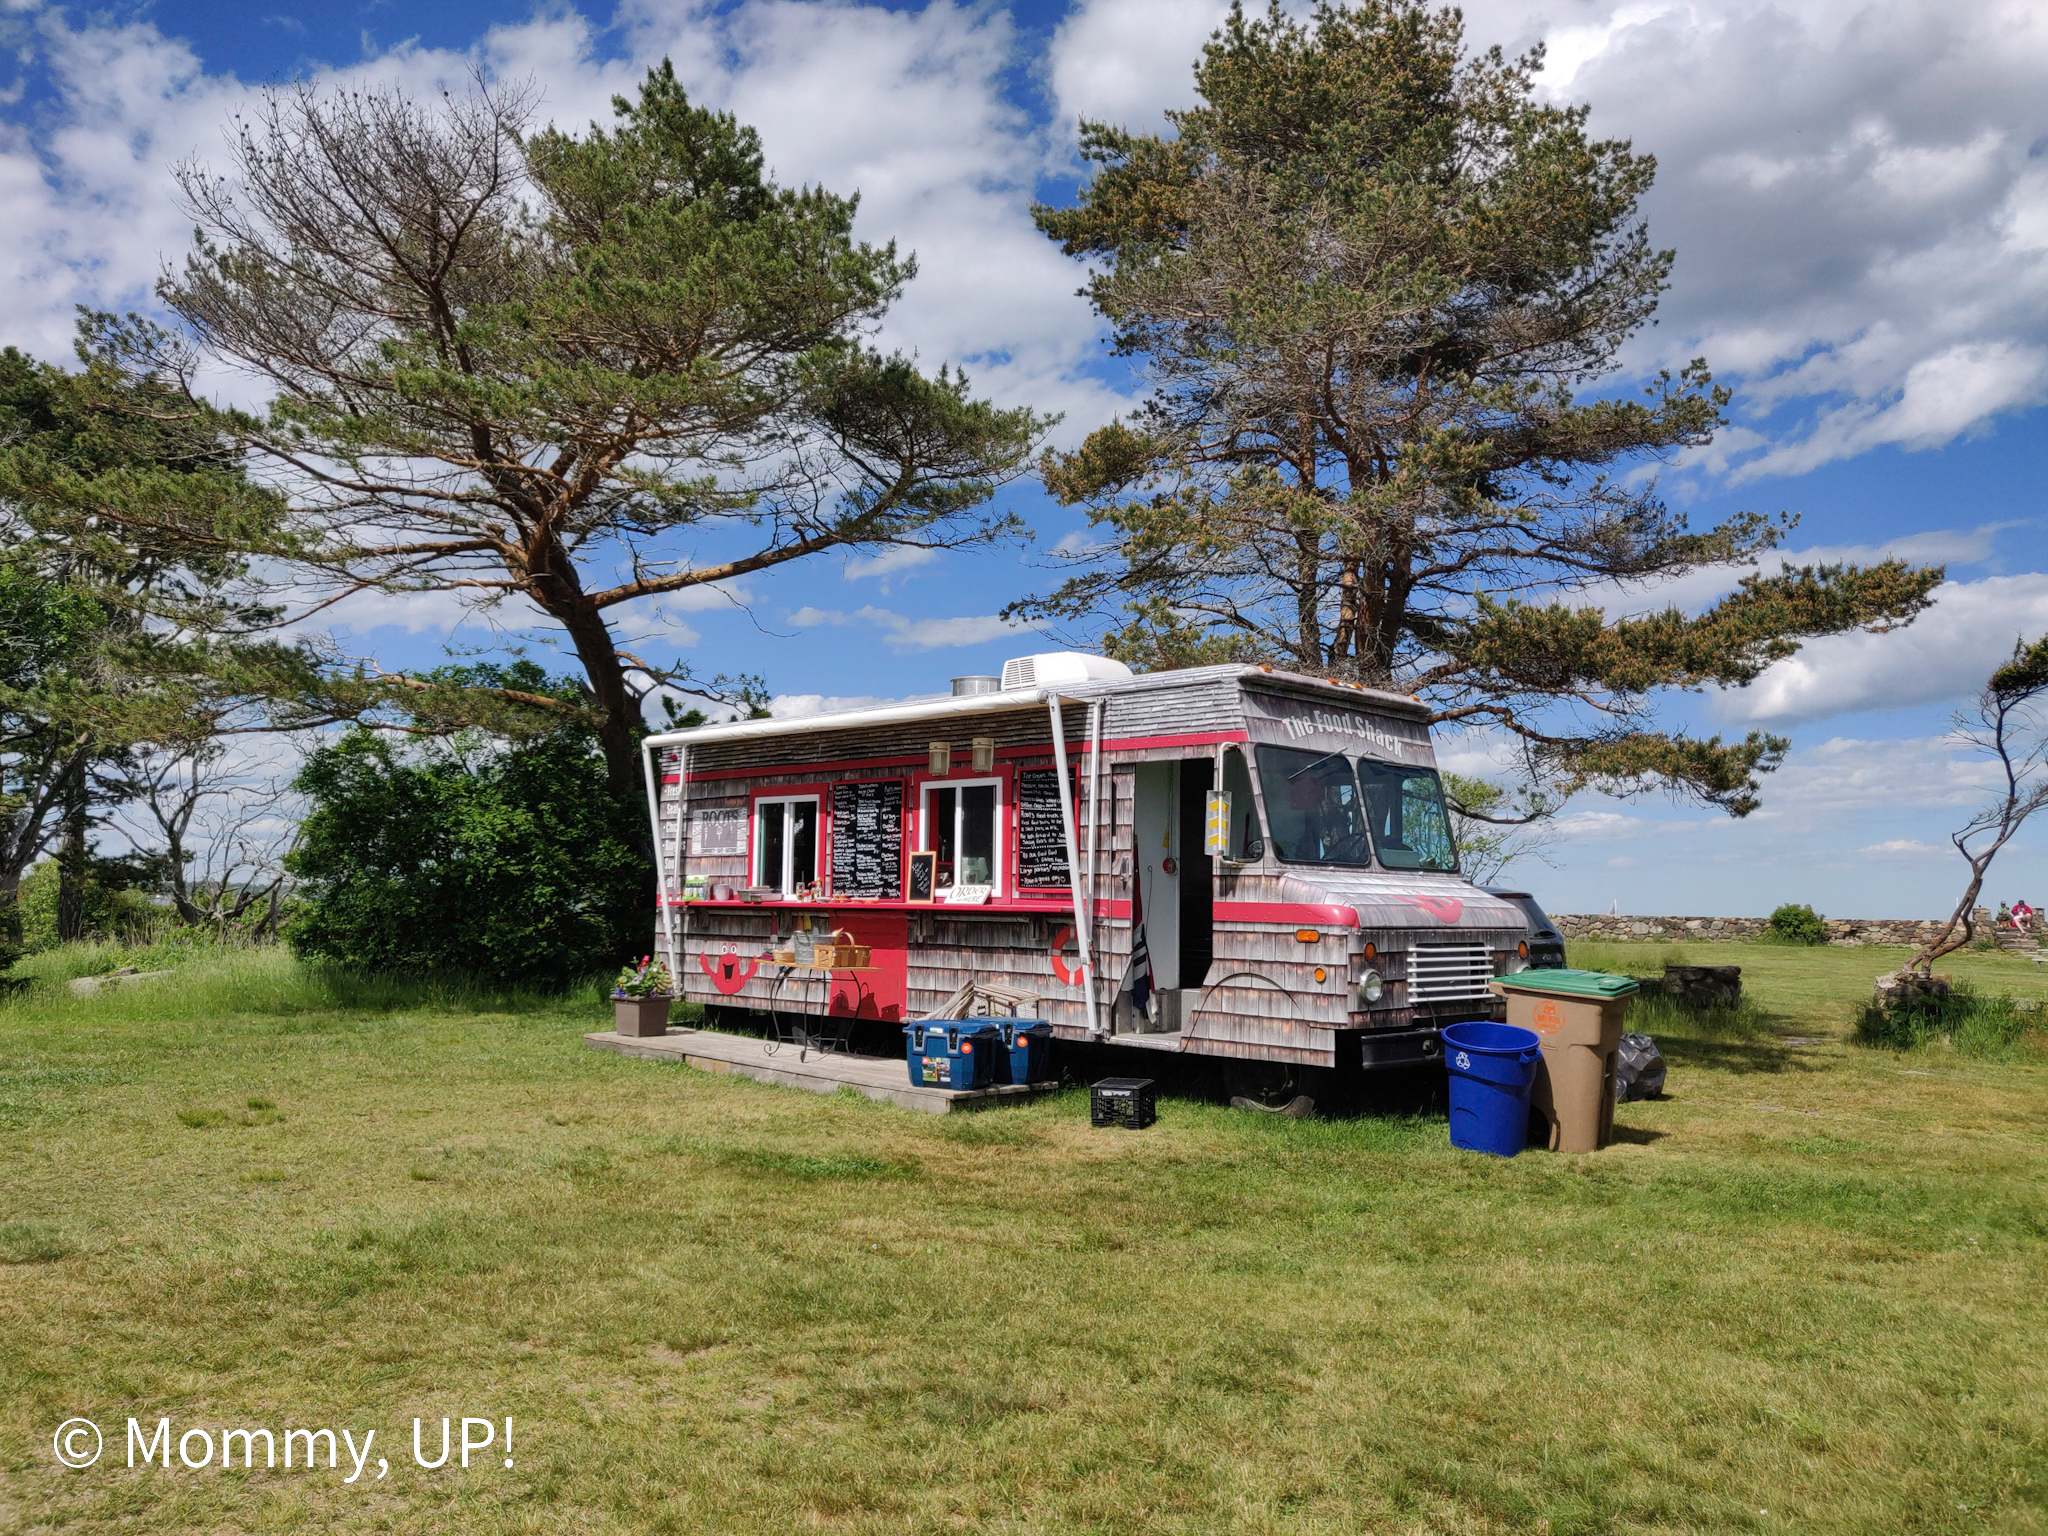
(1406, 808)
(1313, 807)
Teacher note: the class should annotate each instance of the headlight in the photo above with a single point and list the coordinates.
(1370, 987)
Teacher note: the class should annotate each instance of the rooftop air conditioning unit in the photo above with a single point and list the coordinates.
(1053, 668)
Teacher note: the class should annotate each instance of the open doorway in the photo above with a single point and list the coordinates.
(1174, 888)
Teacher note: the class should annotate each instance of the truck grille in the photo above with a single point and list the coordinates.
(1445, 973)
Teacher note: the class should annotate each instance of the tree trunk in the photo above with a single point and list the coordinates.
(607, 674)
(558, 591)
(74, 867)
(618, 734)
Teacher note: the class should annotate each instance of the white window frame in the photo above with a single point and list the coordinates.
(787, 884)
(924, 824)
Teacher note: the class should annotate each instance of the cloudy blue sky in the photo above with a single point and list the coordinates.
(1858, 194)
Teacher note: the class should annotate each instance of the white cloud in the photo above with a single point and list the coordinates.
(1844, 775)
(891, 562)
(1857, 197)
(908, 107)
(1598, 826)
(1940, 399)
(714, 597)
(801, 706)
(1124, 61)
(902, 634)
(1854, 825)
(1079, 543)
(941, 634)
(1856, 192)
(1699, 589)
(420, 613)
(1946, 653)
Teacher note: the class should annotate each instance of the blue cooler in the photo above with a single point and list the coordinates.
(1026, 1056)
(952, 1053)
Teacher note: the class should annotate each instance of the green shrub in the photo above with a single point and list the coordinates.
(1795, 923)
(1655, 1013)
(10, 938)
(117, 907)
(512, 862)
(1970, 1023)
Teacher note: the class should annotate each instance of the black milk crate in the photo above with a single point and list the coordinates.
(1124, 1101)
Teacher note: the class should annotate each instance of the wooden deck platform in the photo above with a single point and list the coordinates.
(883, 1078)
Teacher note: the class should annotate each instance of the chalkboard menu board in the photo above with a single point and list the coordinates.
(1041, 834)
(867, 839)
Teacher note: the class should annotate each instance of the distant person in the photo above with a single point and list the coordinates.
(2004, 914)
(2022, 917)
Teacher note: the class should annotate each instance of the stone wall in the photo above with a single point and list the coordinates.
(1848, 932)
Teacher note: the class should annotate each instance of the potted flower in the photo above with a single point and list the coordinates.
(640, 998)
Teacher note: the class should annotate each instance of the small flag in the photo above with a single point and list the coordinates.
(1138, 979)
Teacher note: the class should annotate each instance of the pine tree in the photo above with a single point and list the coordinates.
(571, 374)
(1367, 274)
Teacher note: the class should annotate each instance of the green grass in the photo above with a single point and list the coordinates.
(1805, 1292)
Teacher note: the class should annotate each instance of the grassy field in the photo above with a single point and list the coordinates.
(1808, 1291)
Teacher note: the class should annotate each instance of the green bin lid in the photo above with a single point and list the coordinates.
(1576, 983)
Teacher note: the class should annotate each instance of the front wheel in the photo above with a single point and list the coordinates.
(1273, 1086)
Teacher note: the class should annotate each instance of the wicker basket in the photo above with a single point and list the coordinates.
(842, 954)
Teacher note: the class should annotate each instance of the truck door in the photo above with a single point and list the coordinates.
(1155, 831)
(1197, 874)
(1176, 877)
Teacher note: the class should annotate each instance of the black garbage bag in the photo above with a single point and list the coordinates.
(1638, 1069)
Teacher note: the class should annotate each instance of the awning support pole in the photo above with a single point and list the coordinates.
(1075, 885)
(665, 920)
(1095, 713)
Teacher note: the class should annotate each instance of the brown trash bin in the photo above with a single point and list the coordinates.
(1578, 1017)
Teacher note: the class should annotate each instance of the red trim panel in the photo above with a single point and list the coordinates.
(1074, 749)
(1054, 904)
(1294, 914)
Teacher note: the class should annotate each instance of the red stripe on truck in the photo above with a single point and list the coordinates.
(1293, 914)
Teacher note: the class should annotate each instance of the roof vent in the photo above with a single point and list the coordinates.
(967, 687)
(1058, 667)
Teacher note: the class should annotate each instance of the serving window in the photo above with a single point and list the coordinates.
(960, 820)
(786, 842)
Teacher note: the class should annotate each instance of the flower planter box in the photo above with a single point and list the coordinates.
(639, 1017)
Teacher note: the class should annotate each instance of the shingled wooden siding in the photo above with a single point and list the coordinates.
(1261, 999)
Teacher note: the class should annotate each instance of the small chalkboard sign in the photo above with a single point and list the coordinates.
(924, 869)
(1041, 832)
(867, 839)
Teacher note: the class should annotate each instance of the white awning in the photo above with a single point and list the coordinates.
(887, 714)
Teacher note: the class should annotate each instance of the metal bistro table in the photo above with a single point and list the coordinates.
(802, 1029)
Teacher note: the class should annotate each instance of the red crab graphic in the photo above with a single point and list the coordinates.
(728, 972)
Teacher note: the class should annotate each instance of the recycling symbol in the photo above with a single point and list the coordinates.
(1464, 1062)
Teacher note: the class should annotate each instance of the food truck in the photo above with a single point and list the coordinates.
(1230, 861)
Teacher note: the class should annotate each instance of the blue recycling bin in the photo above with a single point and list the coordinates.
(1026, 1054)
(952, 1053)
(1492, 1068)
